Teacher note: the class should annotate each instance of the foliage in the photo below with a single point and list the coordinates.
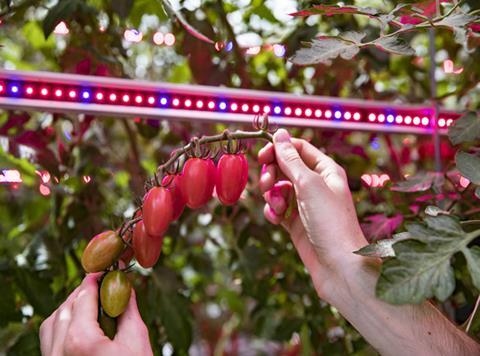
(226, 277)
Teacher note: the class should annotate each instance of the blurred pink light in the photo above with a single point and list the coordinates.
(86, 179)
(448, 67)
(253, 50)
(464, 182)
(61, 29)
(10, 176)
(44, 190)
(158, 38)
(169, 39)
(132, 35)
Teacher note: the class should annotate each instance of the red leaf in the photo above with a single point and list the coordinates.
(380, 226)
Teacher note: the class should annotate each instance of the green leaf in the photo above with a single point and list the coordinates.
(472, 256)
(63, 10)
(122, 7)
(421, 268)
(394, 44)
(336, 10)
(469, 166)
(465, 129)
(382, 248)
(323, 50)
(456, 20)
(419, 182)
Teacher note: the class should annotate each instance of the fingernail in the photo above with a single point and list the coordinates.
(281, 136)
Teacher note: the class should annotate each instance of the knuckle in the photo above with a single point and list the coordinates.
(74, 345)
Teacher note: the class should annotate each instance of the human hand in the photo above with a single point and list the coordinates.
(73, 328)
(323, 225)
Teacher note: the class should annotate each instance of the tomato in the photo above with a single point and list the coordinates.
(232, 177)
(172, 182)
(197, 181)
(115, 293)
(157, 211)
(127, 255)
(107, 324)
(102, 251)
(147, 248)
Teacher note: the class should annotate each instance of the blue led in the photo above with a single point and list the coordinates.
(390, 118)
(222, 105)
(14, 89)
(277, 110)
(338, 114)
(85, 95)
(163, 101)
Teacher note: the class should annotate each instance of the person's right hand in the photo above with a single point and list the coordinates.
(323, 225)
(73, 328)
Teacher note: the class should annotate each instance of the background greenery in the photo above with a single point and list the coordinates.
(227, 280)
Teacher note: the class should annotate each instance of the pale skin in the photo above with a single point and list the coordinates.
(325, 231)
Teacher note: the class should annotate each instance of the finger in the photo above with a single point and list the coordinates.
(267, 154)
(267, 177)
(63, 317)
(288, 158)
(279, 197)
(130, 324)
(271, 216)
(85, 305)
(48, 328)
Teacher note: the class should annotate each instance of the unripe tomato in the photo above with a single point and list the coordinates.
(197, 181)
(157, 211)
(172, 182)
(115, 293)
(232, 177)
(107, 324)
(147, 248)
(102, 251)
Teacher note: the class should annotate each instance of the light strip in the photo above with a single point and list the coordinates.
(58, 92)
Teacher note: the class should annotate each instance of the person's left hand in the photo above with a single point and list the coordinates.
(73, 329)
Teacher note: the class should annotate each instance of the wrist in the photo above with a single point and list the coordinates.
(354, 278)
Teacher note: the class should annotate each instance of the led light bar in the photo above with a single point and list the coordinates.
(69, 93)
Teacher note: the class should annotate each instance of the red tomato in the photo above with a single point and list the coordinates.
(173, 185)
(197, 181)
(157, 211)
(232, 177)
(147, 248)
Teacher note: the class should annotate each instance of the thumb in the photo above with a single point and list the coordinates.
(130, 323)
(288, 157)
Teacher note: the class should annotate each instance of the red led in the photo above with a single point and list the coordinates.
(256, 108)
(1, 88)
(199, 104)
(381, 118)
(356, 116)
(188, 103)
(287, 111)
(408, 120)
(28, 90)
(399, 119)
(234, 107)
(441, 122)
(266, 109)
(416, 120)
(138, 99)
(211, 104)
(347, 115)
(449, 122)
(318, 113)
(328, 114)
(425, 121)
(72, 94)
(245, 107)
(99, 96)
(151, 100)
(58, 93)
(126, 98)
(372, 117)
(44, 91)
(113, 97)
(298, 111)
(308, 112)
(175, 102)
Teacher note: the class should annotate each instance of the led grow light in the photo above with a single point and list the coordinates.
(58, 92)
